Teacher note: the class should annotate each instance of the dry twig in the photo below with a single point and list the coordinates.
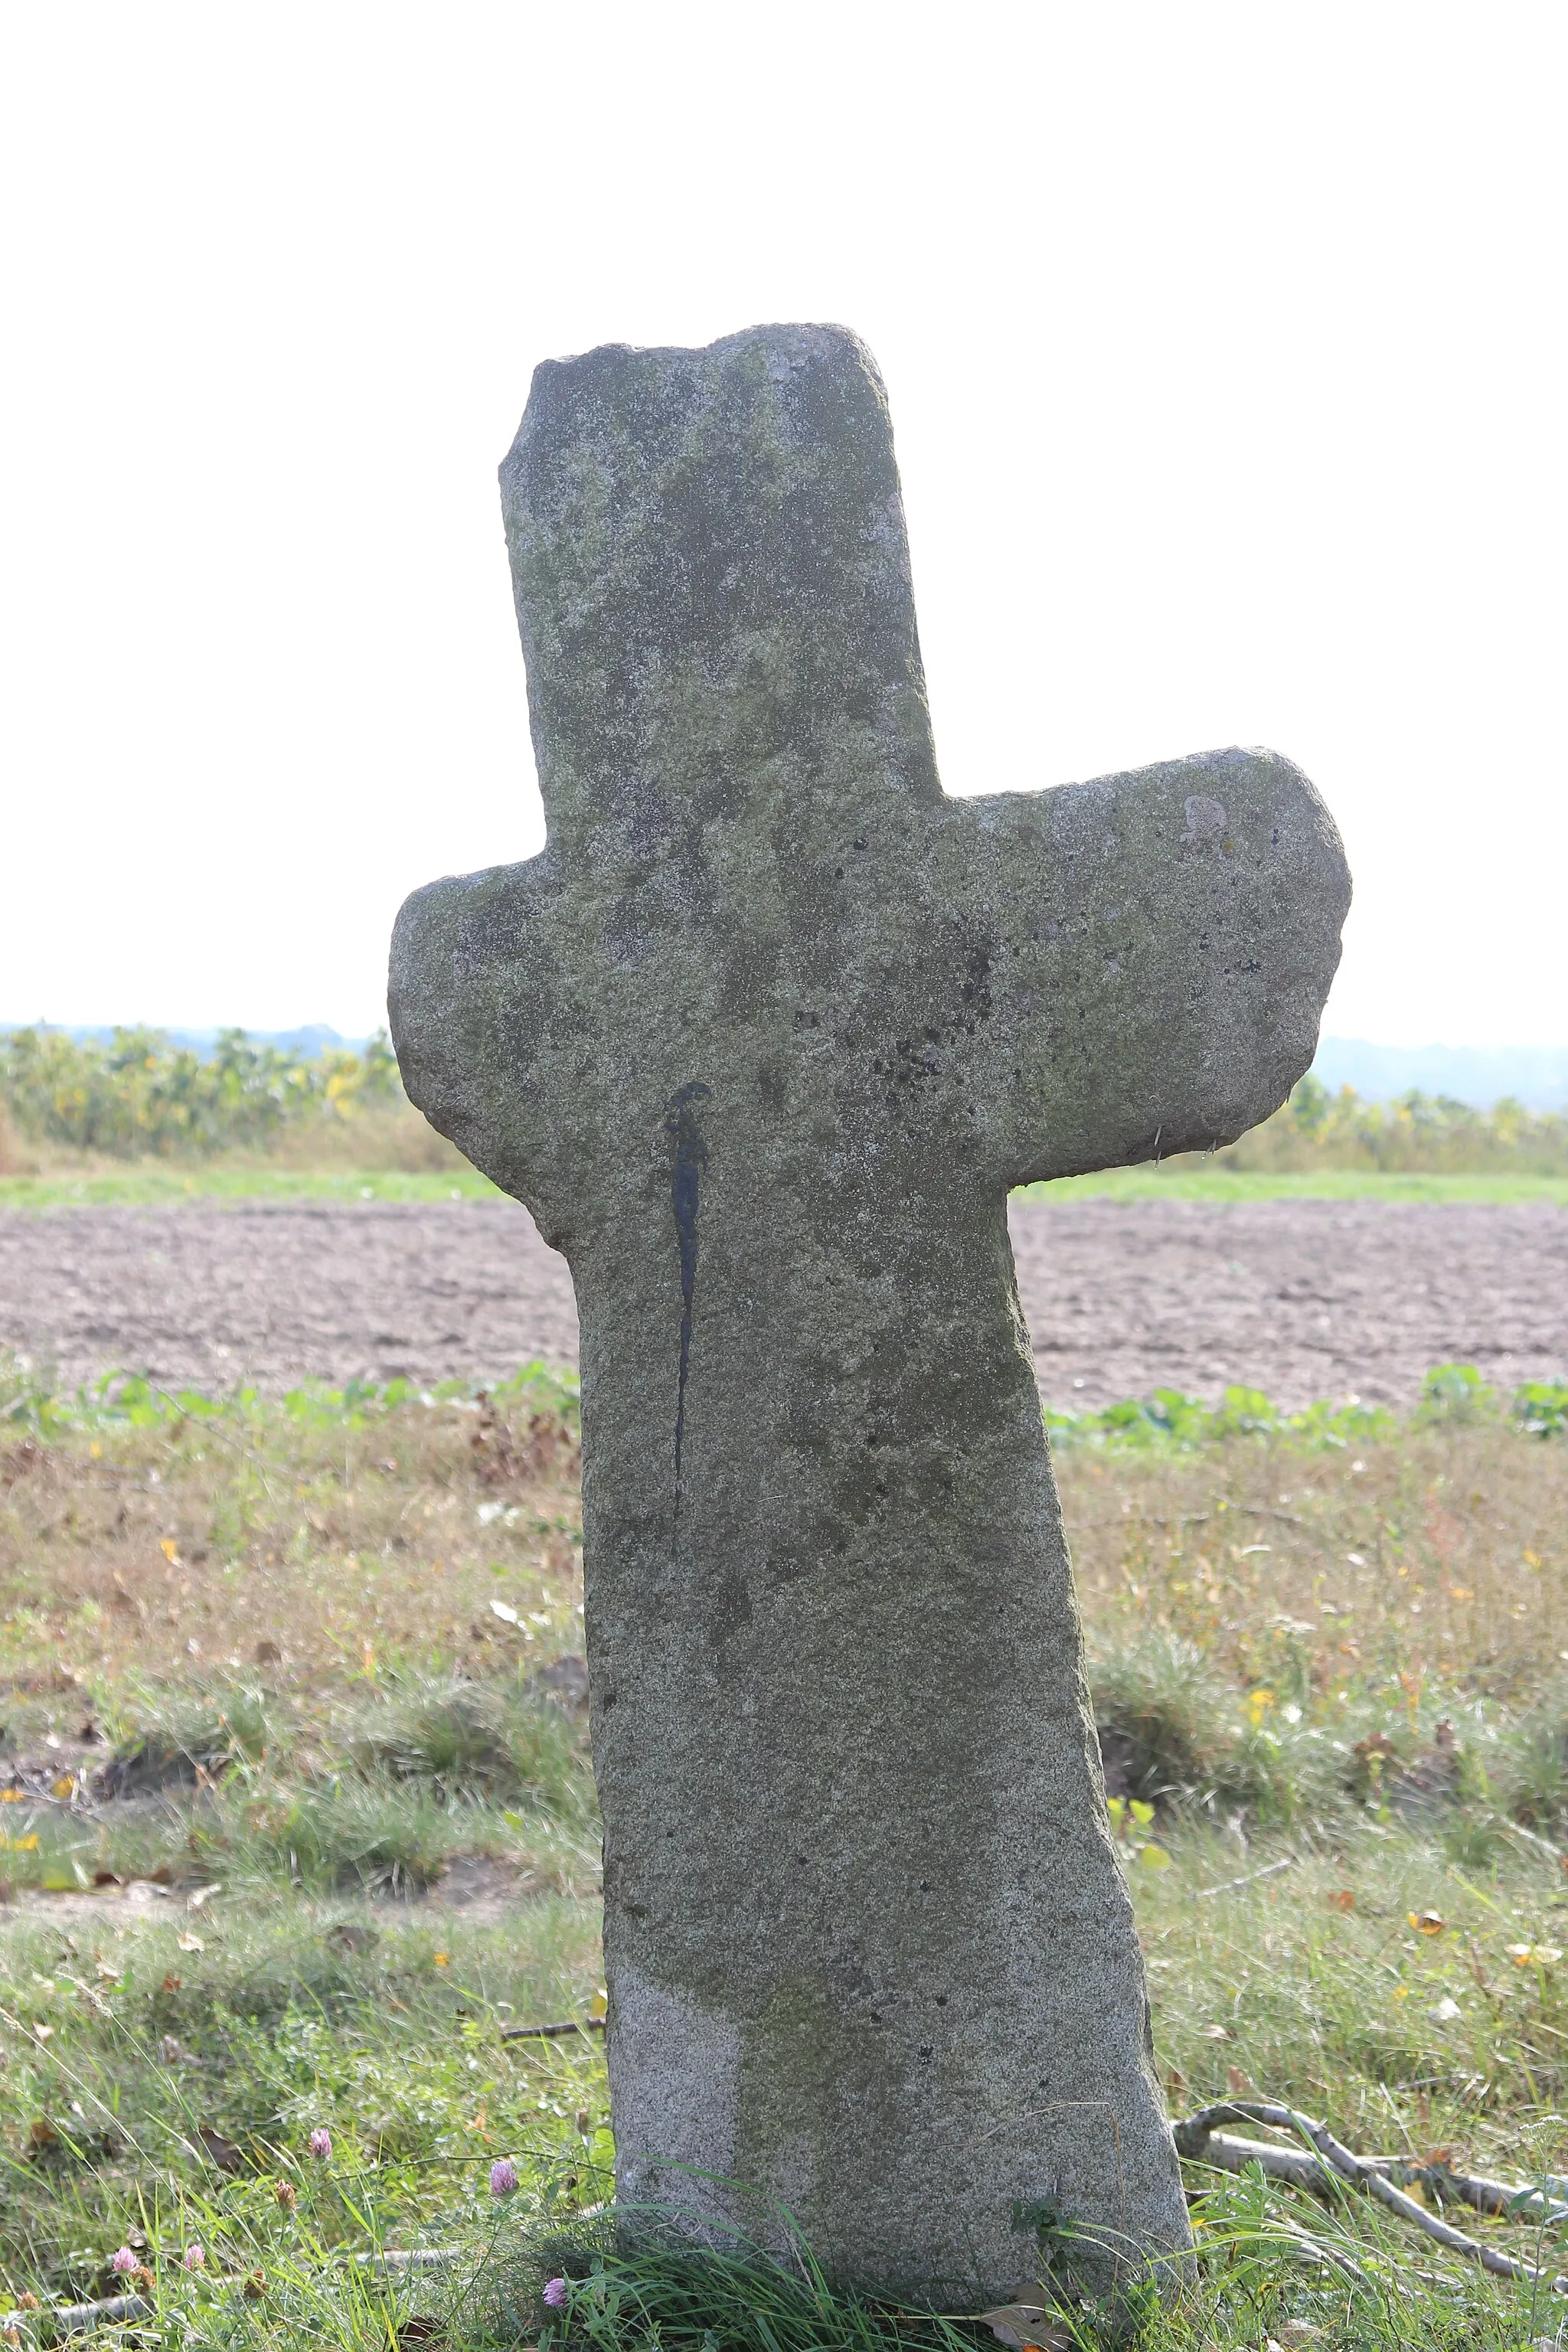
(1197, 2138)
(551, 2032)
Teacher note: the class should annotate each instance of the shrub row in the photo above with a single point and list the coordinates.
(136, 1094)
(1417, 1134)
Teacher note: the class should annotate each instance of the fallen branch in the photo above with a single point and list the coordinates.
(1198, 2139)
(1539, 1845)
(551, 2032)
(76, 2318)
(1228, 1885)
(419, 2258)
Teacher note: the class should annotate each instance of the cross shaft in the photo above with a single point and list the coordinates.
(763, 1038)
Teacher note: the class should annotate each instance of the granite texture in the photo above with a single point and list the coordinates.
(761, 1038)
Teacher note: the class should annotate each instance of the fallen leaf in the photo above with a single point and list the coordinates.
(1534, 1956)
(1154, 1857)
(350, 1938)
(200, 1895)
(1427, 1922)
(107, 1968)
(42, 2033)
(504, 1611)
(189, 1943)
(171, 1983)
(600, 2004)
(1445, 2011)
(64, 1787)
(1023, 2325)
(1342, 1899)
(267, 1654)
(225, 2153)
(443, 1960)
(1213, 2033)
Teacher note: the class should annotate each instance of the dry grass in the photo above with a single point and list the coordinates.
(301, 1541)
(1437, 1553)
(385, 1136)
(1441, 1552)
(380, 1137)
(17, 1156)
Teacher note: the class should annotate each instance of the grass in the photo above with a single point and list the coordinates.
(299, 1822)
(1192, 1178)
(158, 1184)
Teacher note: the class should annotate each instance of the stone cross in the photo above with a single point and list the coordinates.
(763, 1038)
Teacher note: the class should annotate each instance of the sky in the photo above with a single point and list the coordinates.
(1224, 345)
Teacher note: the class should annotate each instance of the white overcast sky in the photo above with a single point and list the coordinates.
(1226, 349)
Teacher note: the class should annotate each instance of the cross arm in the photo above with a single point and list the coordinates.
(491, 1037)
(1160, 944)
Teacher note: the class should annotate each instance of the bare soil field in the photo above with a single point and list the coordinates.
(1302, 1298)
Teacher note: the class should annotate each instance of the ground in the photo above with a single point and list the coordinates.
(298, 1825)
(1301, 1298)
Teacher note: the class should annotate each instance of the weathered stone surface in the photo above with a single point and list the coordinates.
(762, 1037)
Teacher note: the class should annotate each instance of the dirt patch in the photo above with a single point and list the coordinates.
(276, 1292)
(483, 1889)
(1303, 1298)
(109, 1907)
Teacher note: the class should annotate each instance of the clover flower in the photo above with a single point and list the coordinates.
(123, 2262)
(321, 2143)
(195, 2255)
(503, 2177)
(555, 2292)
